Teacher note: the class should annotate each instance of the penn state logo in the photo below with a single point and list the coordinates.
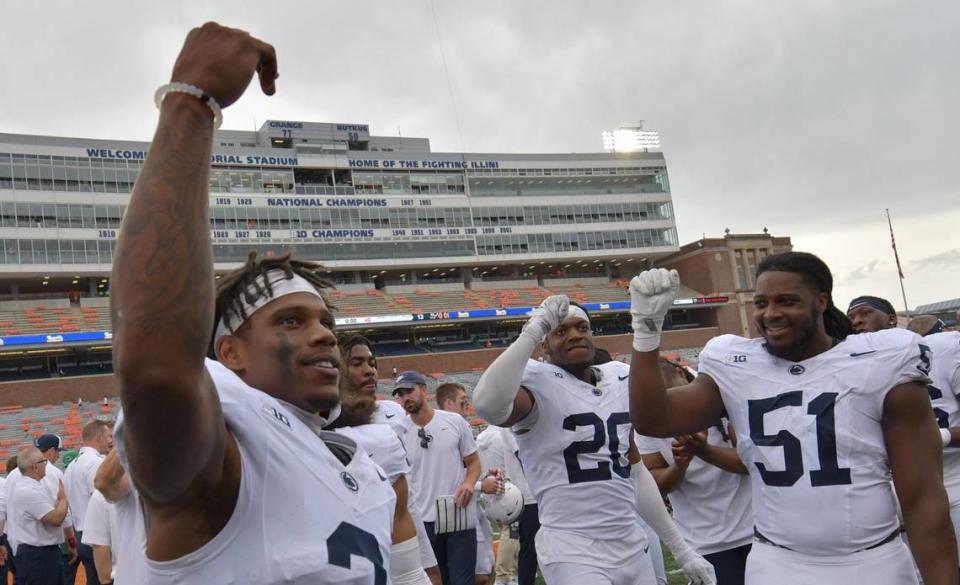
(597, 392)
(797, 369)
(349, 481)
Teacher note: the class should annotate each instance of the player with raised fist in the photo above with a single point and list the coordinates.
(572, 427)
(822, 419)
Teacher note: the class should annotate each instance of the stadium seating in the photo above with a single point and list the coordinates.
(20, 425)
(41, 319)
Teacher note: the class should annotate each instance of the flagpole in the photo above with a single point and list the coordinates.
(893, 242)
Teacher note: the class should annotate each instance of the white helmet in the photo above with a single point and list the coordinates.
(504, 507)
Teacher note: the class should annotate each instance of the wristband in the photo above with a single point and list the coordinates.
(178, 87)
(644, 342)
(945, 437)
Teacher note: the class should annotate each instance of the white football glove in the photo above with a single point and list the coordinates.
(651, 295)
(547, 317)
(697, 569)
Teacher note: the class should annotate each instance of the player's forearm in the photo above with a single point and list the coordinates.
(162, 281)
(651, 507)
(473, 472)
(668, 478)
(103, 562)
(726, 458)
(932, 539)
(162, 304)
(648, 395)
(497, 389)
(111, 479)
(403, 528)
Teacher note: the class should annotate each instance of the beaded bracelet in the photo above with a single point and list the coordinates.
(179, 87)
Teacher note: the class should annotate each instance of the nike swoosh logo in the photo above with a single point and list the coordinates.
(858, 354)
(622, 378)
(389, 415)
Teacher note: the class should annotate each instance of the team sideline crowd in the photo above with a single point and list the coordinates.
(252, 448)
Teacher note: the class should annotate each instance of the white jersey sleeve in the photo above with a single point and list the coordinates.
(99, 526)
(810, 434)
(311, 508)
(383, 446)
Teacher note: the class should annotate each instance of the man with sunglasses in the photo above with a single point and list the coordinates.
(443, 461)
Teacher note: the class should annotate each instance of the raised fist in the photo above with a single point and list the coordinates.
(547, 317)
(651, 295)
(221, 61)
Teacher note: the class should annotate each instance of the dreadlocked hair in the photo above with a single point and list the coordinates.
(245, 284)
(348, 341)
(816, 273)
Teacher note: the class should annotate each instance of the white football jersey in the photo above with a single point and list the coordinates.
(383, 446)
(302, 516)
(574, 452)
(943, 388)
(711, 506)
(388, 412)
(810, 434)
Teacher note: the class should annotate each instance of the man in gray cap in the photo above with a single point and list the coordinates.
(443, 462)
(50, 446)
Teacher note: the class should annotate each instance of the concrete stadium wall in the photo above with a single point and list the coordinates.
(56, 390)
(92, 388)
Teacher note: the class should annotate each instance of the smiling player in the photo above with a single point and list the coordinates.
(822, 419)
(572, 426)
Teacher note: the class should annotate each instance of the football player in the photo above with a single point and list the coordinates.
(235, 487)
(943, 390)
(358, 390)
(822, 418)
(870, 314)
(572, 427)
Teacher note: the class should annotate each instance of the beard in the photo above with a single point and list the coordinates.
(357, 409)
(807, 333)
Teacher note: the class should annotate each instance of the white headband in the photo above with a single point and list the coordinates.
(579, 313)
(279, 284)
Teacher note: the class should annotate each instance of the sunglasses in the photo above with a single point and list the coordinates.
(424, 438)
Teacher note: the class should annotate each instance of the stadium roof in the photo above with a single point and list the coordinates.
(951, 305)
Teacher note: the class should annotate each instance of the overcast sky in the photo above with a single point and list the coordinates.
(808, 118)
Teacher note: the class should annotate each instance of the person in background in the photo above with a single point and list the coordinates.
(443, 461)
(708, 488)
(38, 520)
